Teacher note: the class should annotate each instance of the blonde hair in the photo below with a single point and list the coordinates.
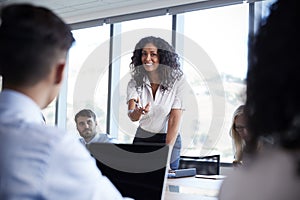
(238, 142)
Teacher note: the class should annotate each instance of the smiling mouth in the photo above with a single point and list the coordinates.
(149, 64)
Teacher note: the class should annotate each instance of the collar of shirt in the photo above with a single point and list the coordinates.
(147, 82)
(15, 105)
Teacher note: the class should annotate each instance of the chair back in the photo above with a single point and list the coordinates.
(205, 165)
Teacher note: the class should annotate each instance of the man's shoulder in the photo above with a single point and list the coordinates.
(104, 137)
(21, 127)
(51, 131)
(50, 137)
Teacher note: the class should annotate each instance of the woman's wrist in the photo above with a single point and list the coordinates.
(134, 115)
(130, 111)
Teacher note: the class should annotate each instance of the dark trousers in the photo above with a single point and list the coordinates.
(143, 136)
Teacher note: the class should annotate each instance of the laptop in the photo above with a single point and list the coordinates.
(137, 170)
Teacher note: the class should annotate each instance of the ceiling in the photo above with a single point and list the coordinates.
(73, 11)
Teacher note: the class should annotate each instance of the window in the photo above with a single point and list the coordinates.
(262, 10)
(88, 66)
(214, 55)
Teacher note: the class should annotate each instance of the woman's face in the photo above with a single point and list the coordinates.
(241, 127)
(150, 58)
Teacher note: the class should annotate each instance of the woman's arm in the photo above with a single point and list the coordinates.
(135, 111)
(173, 126)
(181, 88)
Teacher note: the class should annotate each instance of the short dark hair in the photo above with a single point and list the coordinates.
(85, 113)
(31, 39)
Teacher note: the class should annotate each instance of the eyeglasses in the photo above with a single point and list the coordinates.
(240, 128)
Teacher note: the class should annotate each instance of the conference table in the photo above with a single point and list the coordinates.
(192, 188)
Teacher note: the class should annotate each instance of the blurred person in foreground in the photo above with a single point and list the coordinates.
(273, 109)
(38, 161)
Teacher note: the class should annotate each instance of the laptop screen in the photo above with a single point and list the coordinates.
(137, 170)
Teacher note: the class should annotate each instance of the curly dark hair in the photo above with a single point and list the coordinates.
(169, 66)
(273, 102)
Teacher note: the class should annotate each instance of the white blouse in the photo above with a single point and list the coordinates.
(157, 118)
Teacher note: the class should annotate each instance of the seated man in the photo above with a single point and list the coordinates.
(86, 125)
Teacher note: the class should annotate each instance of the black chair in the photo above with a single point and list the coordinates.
(206, 165)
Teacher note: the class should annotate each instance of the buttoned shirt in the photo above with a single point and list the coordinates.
(156, 119)
(43, 162)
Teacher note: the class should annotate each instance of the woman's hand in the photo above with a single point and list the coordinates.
(135, 111)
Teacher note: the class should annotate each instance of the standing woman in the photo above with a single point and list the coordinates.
(155, 94)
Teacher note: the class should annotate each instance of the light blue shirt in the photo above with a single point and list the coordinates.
(43, 162)
(99, 138)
